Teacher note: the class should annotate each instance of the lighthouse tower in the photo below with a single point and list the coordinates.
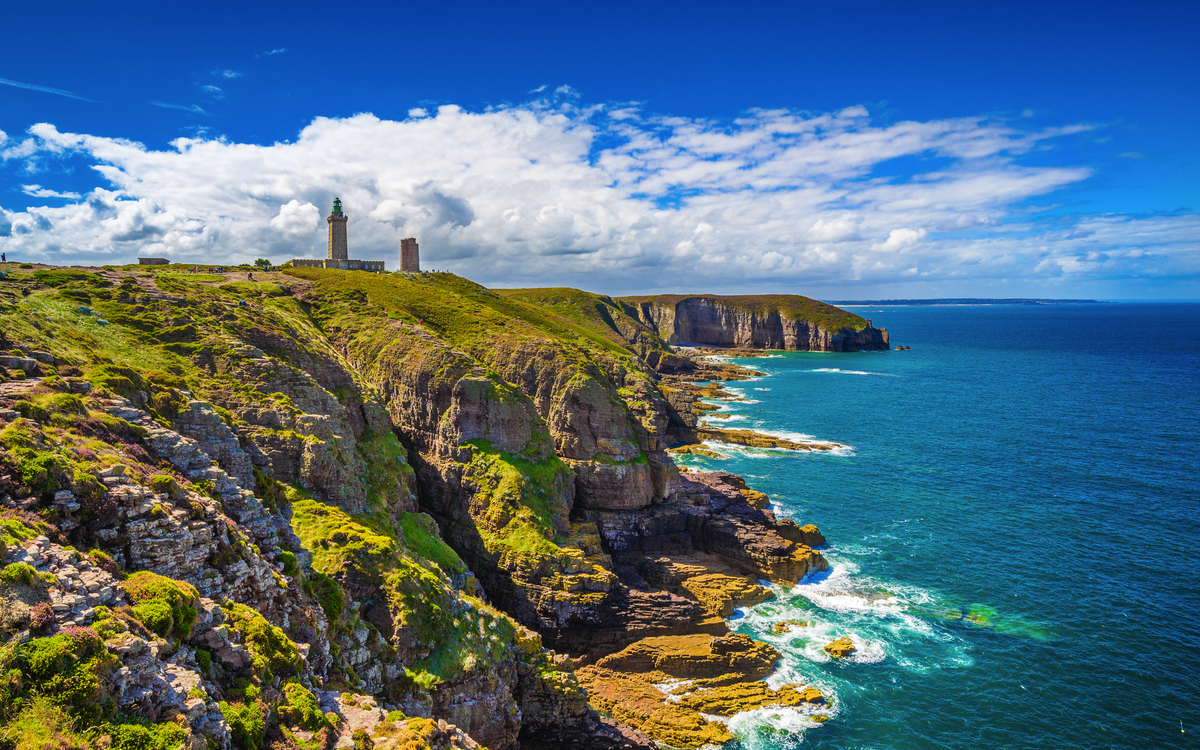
(338, 250)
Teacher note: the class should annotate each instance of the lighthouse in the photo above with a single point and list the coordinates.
(338, 248)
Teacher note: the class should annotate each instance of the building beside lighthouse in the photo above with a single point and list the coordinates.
(410, 255)
(339, 247)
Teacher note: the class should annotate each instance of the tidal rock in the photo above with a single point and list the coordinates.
(840, 648)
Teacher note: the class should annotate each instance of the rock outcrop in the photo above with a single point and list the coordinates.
(769, 321)
(374, 510)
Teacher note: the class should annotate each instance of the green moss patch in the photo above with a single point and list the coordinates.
(24, 574)
(300, 709)
(164, 605)
(271, 651)
(421, 536)
(65, 668)
(523, 510)
(247, 723)
(389, 477)
(144, 735)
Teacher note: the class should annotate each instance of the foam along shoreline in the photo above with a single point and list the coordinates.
(724, 396)
(753, 439)
(840, 371)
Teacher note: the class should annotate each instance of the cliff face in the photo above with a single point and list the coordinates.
(365, 498)
(762, 322)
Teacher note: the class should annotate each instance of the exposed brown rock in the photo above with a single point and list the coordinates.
(746, 322)
(781, 628)
(753, 439)
(634, 701)
(728, 700)
(695, 656)
(720, 594)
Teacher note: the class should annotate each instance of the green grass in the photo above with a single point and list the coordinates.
(481, 322)
(360, 549)
(597, 314)
(523, 512)
(421, 536)
(341, 542)
(190, 277)
(389, 477)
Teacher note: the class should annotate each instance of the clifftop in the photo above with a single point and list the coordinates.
(793, 306)
(320, 506)
(769, 321)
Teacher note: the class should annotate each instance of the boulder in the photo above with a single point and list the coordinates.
(840, 648)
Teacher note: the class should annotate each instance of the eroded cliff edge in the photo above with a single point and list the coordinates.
(767, 321)
(373, 504)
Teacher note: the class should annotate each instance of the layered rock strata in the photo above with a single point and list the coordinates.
(784, 322)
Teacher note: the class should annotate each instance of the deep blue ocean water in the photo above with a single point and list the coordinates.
(1014, 529)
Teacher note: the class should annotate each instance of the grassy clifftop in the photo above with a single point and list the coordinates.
(794, 306)
(472, 317)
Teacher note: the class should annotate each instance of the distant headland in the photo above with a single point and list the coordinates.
(965, 301)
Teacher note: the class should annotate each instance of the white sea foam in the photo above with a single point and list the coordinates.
(789, 719)
(854, 372)
(762, 389)
(799, 437)
(741, 451)
(666, 687)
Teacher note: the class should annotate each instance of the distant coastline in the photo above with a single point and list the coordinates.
(964, 301)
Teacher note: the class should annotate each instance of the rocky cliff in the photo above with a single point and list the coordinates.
(769, 321)
(322, 509)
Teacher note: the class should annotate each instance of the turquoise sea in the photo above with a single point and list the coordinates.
(1014, 529)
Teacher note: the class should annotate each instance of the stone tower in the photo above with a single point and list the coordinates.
(410, 255)
(338, 250)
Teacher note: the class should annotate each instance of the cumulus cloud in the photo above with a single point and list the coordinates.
(899, 239)
(612, 199)
(295, 217)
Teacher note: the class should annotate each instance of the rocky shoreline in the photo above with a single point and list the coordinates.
(329, 510)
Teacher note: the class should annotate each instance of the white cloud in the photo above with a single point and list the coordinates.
(44, 89)
(269, 53)
(566, 194)
(227, 73)
(37, 191)
(296, 218)
(214, 91)
(195, 108)
(899, 239)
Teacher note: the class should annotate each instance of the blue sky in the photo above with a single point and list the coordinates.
(860, 149)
